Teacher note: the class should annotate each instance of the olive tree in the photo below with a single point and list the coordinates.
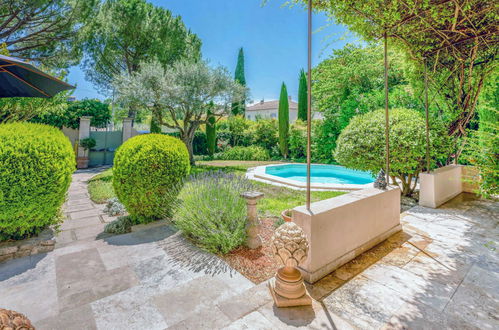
(361, 145)
(180, 96)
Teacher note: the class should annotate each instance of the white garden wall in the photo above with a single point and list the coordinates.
(341, 228)
(445, 183)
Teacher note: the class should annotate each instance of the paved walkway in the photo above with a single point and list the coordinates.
(440, 272)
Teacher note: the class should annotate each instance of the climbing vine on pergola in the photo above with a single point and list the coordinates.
(457, 39)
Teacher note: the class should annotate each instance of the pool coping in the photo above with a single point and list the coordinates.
(259, 172)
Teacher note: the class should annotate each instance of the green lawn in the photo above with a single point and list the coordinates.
(100, 187)
(275, 201)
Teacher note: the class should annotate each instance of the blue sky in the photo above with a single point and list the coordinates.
(274, 39)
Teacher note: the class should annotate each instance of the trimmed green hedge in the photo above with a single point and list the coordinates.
(36, 163)
(245, 153)
(147, 174)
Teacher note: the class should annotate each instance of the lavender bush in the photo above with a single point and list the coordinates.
(211, 211)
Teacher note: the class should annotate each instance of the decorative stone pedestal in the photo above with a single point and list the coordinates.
(290, 248)
(252, 226)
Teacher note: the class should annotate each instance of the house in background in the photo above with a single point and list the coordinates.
(270, 109)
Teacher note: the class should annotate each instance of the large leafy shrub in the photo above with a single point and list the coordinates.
(70, 117)
(148, 172)
(265, 133)
(36, 163)
(482, 149)
(298, 140)
(361, 145)
(212, 213)
(245, 153)
(236, 131)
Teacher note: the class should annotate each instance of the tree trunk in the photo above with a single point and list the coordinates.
(188, 143)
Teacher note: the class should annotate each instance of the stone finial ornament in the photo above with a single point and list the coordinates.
(380, 182)
(290, 247)
(14, 320)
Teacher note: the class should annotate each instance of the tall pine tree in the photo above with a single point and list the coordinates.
(240, 107)
(283, 121)
(302, 97)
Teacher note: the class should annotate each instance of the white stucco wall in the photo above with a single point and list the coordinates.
(341, 228)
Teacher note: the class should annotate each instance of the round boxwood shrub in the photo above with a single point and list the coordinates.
(36, 163)
(361, 145)
(148, 172)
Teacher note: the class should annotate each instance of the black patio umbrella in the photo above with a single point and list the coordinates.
(21, 79)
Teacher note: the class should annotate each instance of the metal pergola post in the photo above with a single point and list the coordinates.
(387, 122)
(309, 98)
(426, 106)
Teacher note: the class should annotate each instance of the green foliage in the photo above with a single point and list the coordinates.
(212, 212)
(265, 133)
(245, 153)
(121, 225)
(237, 130)
(45, 31)
(483, 144)
(70, 116)
(302, 97)
(211, 134)
(239, 108)
(324, 135)
(351, 82)
(147, 174)
(87, 143)
(15, 109)
(154, 127)
(425, 31)
(361, 145)
(36, 163)
(125, 33)
(298, 140)
(180, 96)
(283, 121)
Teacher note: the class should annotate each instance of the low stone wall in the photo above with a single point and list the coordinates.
(445, 183)
(341, 228)
(43, 243)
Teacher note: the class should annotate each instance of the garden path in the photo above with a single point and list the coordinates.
(440, 272)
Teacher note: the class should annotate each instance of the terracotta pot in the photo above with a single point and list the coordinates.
(82, 162)
(286, 215)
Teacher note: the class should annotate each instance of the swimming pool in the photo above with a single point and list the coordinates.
(322, 176)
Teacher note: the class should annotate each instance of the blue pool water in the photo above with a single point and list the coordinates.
(320, 174)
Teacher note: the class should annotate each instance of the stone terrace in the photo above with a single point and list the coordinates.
(440, 272)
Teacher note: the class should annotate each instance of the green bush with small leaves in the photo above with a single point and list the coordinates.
(361, 145)
(148, 172)
(246, 153)
(36, 163)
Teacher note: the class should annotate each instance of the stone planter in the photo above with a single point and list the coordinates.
(287, 215)
(82, 162)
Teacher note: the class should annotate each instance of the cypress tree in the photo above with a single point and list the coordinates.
(302, 97)
(211, 134)
(283, 121)
(240, 107)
